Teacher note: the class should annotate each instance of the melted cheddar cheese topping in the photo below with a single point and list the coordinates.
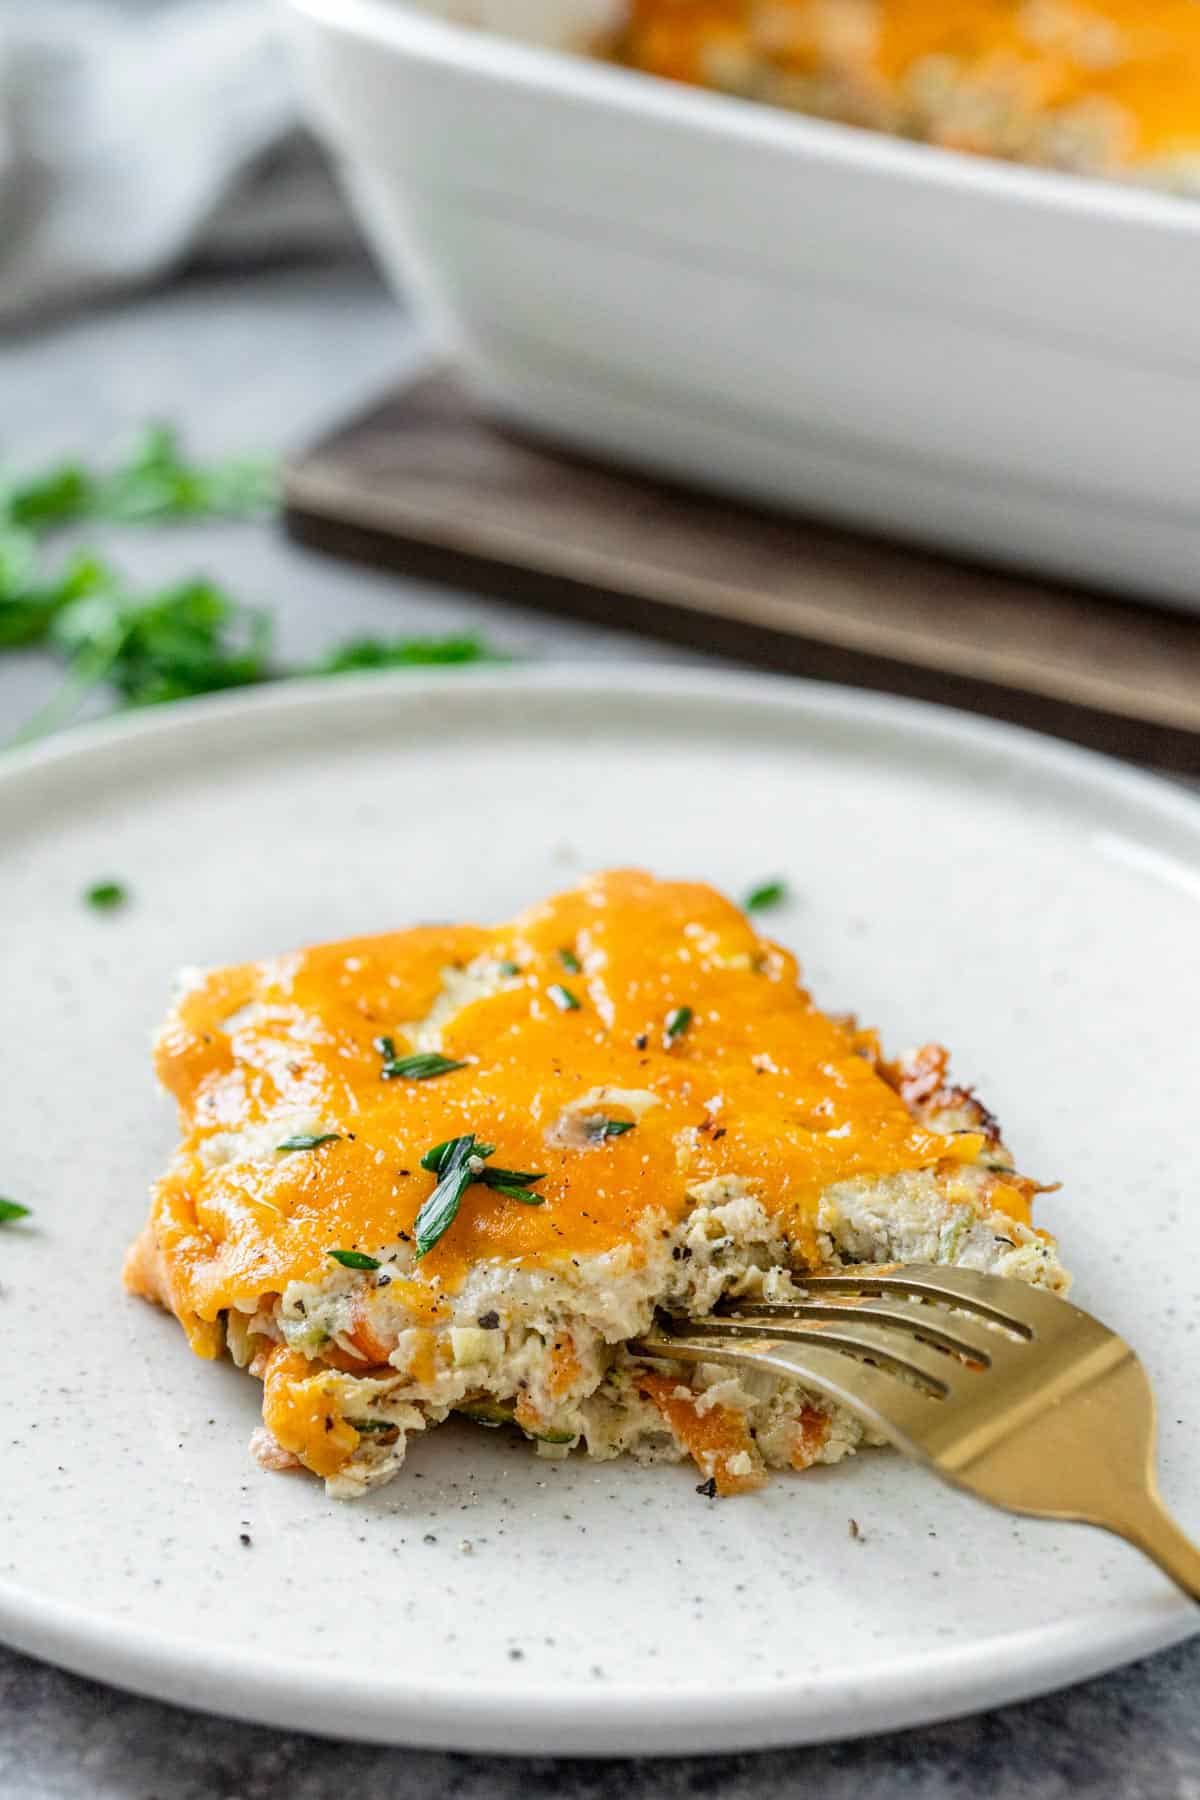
(302, 1412)
(1137, 59)
(759, 1085)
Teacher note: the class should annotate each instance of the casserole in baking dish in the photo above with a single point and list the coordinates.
(1103, 87)
(999, 360)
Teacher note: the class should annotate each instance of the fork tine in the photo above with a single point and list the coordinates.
(884, 1401)
(966, 1336)
(1024, 1310)
(1062, 1429)
(885, 1347)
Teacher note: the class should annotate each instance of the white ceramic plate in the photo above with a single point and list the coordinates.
(1033, 906)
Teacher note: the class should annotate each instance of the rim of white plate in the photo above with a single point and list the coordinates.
(302, 1696)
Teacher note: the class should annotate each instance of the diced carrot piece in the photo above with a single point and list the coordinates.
(714, 1438)
(812, 1434)
(565, 1366)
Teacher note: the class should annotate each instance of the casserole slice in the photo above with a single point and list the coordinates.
(455, 1169)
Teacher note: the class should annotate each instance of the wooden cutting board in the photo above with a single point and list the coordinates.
(424, 484)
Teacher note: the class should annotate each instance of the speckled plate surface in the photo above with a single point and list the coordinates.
(1033, 906)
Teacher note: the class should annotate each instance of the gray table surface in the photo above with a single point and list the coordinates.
(266, 361)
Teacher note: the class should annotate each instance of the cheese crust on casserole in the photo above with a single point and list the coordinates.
(656, 1114)
(1104, 87)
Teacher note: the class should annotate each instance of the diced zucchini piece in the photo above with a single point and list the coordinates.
(553, 1448)
(487, 1412)
(238, 1336)
(470, 1345)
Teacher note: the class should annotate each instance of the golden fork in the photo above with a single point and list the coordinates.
(1051, 1414)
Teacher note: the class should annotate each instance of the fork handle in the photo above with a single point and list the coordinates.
(1151, 1527)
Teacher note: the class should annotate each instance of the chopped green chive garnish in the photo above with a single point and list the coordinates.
(441, 1209)
(458, 1163)
(563, 998)
(421, 1066)
(498, 1178)
(569, 961)
(507, 968)
(354, 1259)
(12, 1209)
(386, 1048)
(768, 894)
(302, 1141)
(434, 1160)
(106, 896)
(365, 1425)
(511, 1192)
(678, 1021)
(599, 1129)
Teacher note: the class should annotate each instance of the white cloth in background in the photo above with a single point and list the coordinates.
(131, 138)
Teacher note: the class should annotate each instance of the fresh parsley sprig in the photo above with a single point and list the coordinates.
(30, 598)
(191, 637)
(160, 482)
(404, 653)
(157, 480)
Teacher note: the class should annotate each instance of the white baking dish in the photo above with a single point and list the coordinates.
(993, 359)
